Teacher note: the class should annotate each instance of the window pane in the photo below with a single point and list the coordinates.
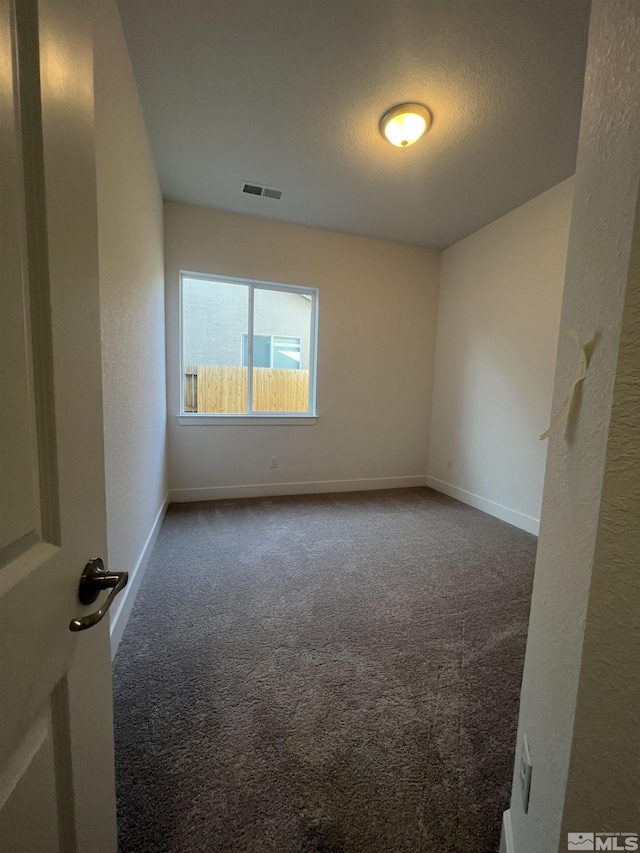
(261, 350)
(286, 353)
(282, 384)
(215, 320)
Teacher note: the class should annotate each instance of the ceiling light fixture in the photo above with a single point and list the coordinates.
(405, 124)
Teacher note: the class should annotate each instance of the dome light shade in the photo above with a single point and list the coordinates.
(405, 124)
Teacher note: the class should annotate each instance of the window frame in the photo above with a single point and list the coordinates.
(251, 416)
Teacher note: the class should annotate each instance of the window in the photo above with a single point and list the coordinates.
(248, 347)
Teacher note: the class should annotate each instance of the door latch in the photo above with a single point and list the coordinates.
(96, 578)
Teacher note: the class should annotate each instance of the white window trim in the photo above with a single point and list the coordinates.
(255, 419)
(265, 418)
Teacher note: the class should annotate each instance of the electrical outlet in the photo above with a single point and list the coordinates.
(525, 773)
(274, 461)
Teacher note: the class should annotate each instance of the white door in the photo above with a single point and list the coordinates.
(56, 735)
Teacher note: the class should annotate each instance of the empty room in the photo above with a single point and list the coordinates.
(320, 496)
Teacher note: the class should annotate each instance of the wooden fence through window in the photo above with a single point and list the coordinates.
(223, 390)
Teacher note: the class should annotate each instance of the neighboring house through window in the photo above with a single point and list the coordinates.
(273, 351)
(248, 347)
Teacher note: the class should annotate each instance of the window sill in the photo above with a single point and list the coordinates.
(247, 420)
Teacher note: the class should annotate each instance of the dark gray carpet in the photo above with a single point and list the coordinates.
(323, 674)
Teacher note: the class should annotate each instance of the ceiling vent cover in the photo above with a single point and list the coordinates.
(265, 192)
(269, 192)
(252, 189)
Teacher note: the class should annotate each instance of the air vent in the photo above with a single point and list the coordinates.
(252, 189)
(265, 192)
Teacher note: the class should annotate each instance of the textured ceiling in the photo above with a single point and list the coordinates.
(289, 93)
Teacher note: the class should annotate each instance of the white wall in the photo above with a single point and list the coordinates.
(579, 702)
(606, 734)
(132, 306)
(498, 320)
(377, 315)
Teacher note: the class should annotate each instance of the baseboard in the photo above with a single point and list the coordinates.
(128, 595)
(506, 838)
(511, 516)
(264, 490)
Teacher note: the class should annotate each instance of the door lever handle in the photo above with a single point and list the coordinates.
(94, 579)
